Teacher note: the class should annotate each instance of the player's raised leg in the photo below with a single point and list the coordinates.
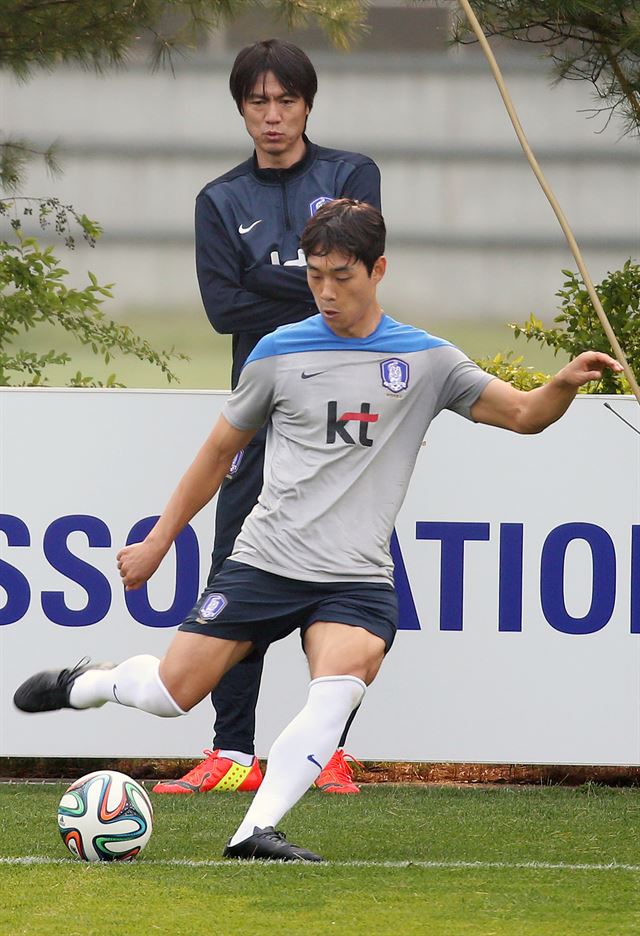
(192, 666)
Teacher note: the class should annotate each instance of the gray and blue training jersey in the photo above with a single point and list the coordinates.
(346, 420)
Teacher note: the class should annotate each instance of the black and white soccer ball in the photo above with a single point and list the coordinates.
(105, 816)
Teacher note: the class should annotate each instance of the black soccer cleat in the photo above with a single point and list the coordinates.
(49, 690)
(268, 845)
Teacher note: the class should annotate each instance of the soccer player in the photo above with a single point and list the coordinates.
(252, 276)
(347, 396)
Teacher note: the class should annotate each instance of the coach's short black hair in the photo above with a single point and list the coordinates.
(291, 66)
(351, 228)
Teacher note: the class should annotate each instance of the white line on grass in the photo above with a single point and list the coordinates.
(427, 865)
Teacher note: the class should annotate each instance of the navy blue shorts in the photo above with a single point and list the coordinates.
(244, 603)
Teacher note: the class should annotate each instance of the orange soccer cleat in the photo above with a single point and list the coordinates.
(337, 776)
(214, 773)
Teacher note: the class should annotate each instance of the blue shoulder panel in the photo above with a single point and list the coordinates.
(313, 334)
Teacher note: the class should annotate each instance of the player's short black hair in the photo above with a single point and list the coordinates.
(291, 66)
(352, 228)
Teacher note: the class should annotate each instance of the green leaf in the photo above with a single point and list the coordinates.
(35, 290)
(580, 329)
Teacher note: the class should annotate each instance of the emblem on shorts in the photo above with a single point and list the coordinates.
(395, 374)
(212, 606)
(235, 464)
(318, 203)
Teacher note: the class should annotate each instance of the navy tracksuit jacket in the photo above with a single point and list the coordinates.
(251, 271)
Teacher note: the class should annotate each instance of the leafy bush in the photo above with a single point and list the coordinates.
(33, 292)
(512, 370)
(580, 330)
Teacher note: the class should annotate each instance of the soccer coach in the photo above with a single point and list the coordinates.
(252, 277)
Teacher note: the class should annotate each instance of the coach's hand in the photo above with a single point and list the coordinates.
(138, 562)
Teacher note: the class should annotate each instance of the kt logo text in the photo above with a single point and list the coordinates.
(337, 425)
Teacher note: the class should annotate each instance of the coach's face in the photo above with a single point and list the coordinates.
(275, 121)
(345, 293)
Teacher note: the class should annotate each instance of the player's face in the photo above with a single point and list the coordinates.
(275, 121)
(345, 293)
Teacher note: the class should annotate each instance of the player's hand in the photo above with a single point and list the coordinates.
(590, 365)
(138, 562)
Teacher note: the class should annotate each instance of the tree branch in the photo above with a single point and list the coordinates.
(629, 92)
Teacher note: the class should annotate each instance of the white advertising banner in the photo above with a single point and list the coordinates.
(517, 565)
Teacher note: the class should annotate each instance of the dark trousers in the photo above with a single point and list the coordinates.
(236, 695)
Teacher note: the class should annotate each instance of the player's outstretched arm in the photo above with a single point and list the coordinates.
(198, 485)
(531, 411)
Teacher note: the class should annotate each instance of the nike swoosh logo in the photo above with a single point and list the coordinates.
(306, 376)
(312, 759)
(193, 787)
(245, 230)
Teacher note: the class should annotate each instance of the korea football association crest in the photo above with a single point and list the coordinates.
(212, 606)
(318, 203)
(395, 374)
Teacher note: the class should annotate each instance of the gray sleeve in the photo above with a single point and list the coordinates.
(461, 381)
(250, 404)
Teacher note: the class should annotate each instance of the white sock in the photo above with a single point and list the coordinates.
(302, 750)
(135, 683)
(245, 760)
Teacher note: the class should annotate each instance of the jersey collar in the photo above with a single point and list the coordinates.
(375, 334)
(278, 176)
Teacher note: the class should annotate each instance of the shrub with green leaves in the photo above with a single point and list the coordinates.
(34, 291)
(579, 330)
(513, 370)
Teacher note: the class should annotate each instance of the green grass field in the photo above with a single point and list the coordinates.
(210, 354)
(400, 859)
(446, 861)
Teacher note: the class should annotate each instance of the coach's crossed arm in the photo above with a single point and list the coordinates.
(530, 411)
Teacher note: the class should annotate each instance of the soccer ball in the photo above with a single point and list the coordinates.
(105, 816)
